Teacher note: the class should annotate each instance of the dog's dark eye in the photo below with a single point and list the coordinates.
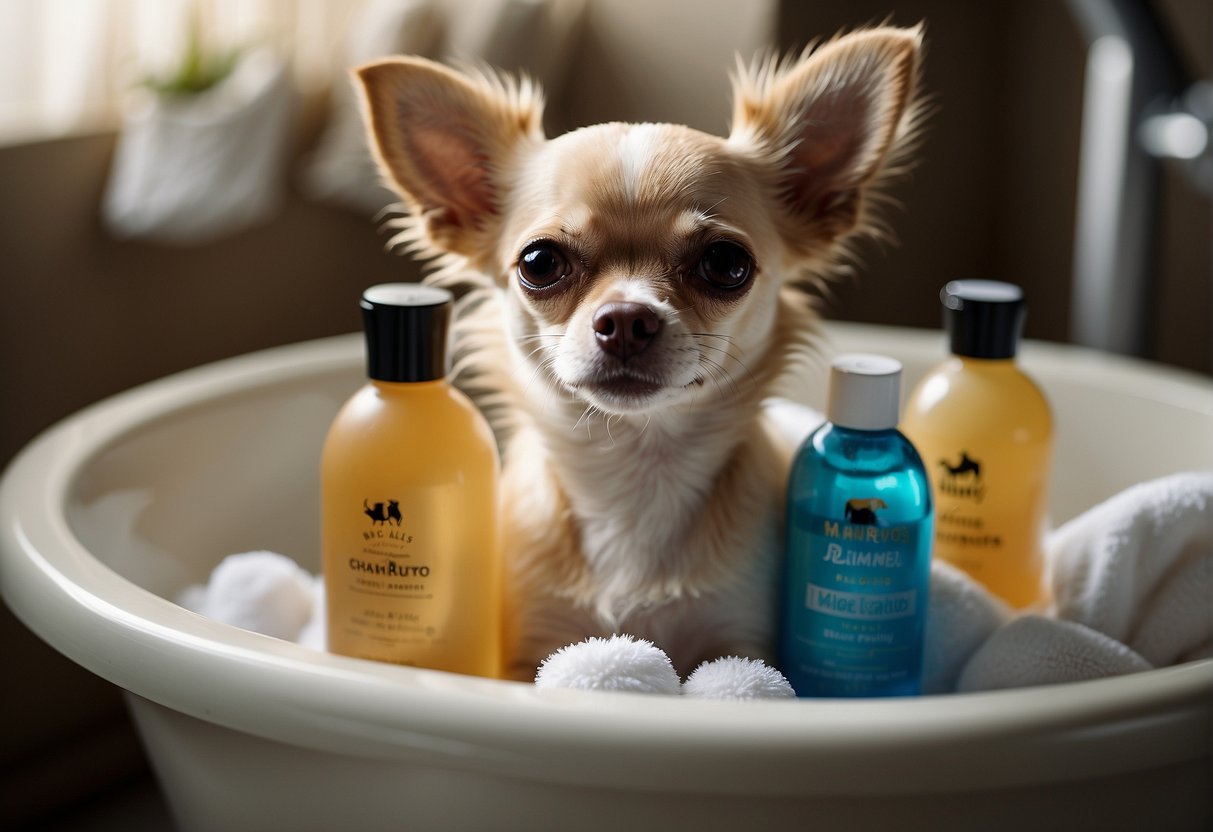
(725, 265)
(541, 265)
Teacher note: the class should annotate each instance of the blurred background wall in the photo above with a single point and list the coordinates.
(993, 195)
(85, 314)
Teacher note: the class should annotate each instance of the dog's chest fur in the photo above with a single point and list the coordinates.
(646, 524)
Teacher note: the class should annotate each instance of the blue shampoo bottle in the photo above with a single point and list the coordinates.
(859, 532)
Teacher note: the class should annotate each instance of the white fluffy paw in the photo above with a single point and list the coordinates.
(618, 663)
(736, 678)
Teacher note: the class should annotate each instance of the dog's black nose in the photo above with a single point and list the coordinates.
(625, 329)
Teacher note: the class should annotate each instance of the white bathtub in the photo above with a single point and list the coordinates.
(111, 513)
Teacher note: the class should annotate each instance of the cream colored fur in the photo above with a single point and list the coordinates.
(642, 495)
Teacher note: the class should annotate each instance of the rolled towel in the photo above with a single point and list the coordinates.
(618, 663)
(1176, 621)
(264, 592)
(961, 615)
(1137, 567)
(315, 633)
(1034, 650)
(735, 678)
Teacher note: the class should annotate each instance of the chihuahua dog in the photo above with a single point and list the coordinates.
(630, 295)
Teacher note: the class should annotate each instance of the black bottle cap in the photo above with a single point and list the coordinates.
(406, 327)
(984, 318)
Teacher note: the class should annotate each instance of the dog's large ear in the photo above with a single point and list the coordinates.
(830, 122)
(441, 137)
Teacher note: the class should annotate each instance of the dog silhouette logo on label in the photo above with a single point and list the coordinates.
(386, 522)
(962, 479)
(380, 513)
(862, 512)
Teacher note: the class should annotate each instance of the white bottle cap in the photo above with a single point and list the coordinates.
(865, 391)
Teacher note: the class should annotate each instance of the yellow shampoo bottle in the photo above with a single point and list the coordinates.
(985, 433)
(409, 501)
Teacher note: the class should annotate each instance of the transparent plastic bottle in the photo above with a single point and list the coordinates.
(986, 433)
(859, 531)
(409, 501)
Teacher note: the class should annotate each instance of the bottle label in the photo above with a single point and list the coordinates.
(387, 559)
(961, 526)
(856, 605)
(392, 561)
(991, 515)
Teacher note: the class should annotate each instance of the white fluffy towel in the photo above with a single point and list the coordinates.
(961, 616)
(1131, 590)
(1034, 650)
(265, 592)
(1139, 568)
(618, 663)
(736, 678)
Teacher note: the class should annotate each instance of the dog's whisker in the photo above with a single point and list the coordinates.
(555, 388)
(539, 348)
(542, 367)
(713, 374)
(584, 413)
(536, 370)
(708, 213)
(607, 424)
(708, 374)
(724, 351)
(716, 370)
